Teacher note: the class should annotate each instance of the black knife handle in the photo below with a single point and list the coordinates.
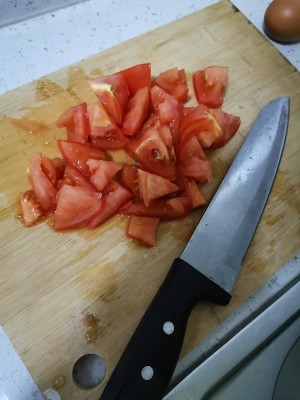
(148, 362)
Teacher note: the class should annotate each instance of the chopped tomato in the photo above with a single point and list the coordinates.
(53, 169)
(166, 135)
(173, 81)
(77, 154)
(31, 208)
(75, 120)
(148, 121)
(137, 111)
(193, 191)
(166, 107)
(137, 77)
(76, 206)
(114, 197)
(192, 161)
(105, 134)
(152, 154)
(112, 91)
(154, 186)
(164, 130)
(129, 178)
(59, 165)
(199, 122)
(42, 186)
(144, 229)
(210, 84)
(102, 172)
(73, 177)
(229, 124)
(164, 209)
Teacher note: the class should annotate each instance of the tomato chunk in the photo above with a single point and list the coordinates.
(229, 124)
(193, 191)
(137, 112)
(31, 208)
(137, 77)
(173, 81)
(112, 91)
(129, 178)
(76, 206)
(102, 172)
(105, 134)
(152, 154)
(154, 186)
(114, 197)
(200, 122)
(75, 120)
(77, 154)
(42, 186)
(210, 84)
(73, 177)
(166, 107)
(192, 161)
(144, 229)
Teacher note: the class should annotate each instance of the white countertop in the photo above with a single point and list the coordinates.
(42, 44)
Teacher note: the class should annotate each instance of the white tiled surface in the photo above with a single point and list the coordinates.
(15, 381)
(46, 43)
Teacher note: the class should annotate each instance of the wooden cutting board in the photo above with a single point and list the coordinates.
(63, 295)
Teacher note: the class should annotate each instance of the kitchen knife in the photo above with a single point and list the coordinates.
(208, 266)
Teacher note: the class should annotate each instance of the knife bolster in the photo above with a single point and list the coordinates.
(198, 284)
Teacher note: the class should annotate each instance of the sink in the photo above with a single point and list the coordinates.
(254, 353)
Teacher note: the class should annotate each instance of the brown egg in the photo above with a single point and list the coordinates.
(282, 20)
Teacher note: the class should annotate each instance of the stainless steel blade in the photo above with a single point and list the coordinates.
(220, 241)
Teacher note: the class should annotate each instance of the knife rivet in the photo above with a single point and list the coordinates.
(168, 327)
(147, 373)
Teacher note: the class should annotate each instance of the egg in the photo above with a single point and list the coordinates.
(282, 20)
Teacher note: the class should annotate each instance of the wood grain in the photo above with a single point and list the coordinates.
(51, 282)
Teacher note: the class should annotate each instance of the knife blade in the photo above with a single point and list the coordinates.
(209, 264)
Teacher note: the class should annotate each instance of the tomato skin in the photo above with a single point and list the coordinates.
(75, 120)
(173, 81)
(77, 154)
(165, 209)
(210, 84)
(76, 206)
(105, 134)
(137, 77)
(114, 197)
(137, 111)
(143, 229)
(31, 209)
(112, 91)
(42, 187)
